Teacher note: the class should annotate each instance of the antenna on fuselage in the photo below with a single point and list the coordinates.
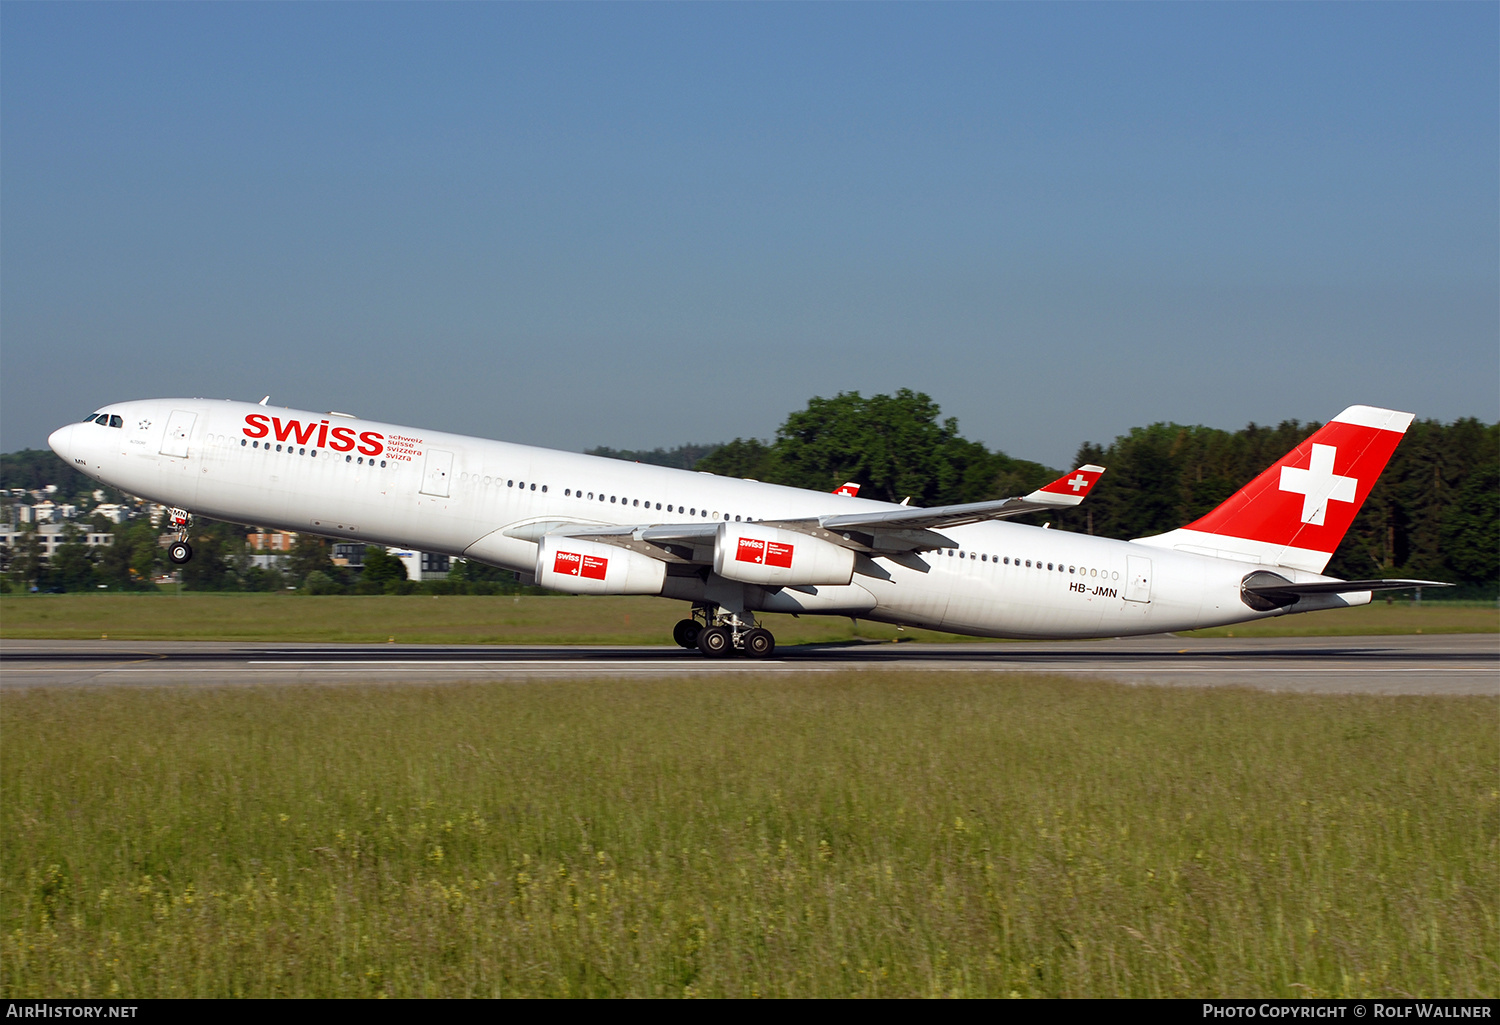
(263, 401)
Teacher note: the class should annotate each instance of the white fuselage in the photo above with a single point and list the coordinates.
(457, 495)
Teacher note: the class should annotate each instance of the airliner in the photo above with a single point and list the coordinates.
(734, 548)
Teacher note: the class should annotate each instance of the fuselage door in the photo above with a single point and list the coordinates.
(179, 428)
(435, 476)
(1138, 578)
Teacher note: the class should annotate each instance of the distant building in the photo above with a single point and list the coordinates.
(50, 535)
(350, 555)
(422, 565)
(270, 540)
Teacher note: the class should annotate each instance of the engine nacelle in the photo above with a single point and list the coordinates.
(588, 567)
(771, 557)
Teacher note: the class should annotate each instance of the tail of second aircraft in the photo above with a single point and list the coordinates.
(1296, 513)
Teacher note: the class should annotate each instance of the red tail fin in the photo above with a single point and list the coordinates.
(1296, 513)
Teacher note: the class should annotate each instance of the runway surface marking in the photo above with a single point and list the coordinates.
(1455, 664)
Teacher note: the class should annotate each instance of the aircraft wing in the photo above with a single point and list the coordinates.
(905, 530)
(880, 532)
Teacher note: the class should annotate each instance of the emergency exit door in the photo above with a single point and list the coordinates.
(179, 428)
(1137, 579)
(438, 469)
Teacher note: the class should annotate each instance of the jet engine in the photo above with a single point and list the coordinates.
(588, 567)
(771, 557)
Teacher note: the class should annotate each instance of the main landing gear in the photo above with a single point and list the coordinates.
(720, 634)
(180, 551)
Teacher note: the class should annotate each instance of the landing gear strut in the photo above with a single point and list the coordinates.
(719, 634)
(180, 551)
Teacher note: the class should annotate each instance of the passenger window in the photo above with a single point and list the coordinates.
(533, 487)
(658, 507)
(348, 459)
(510, 483)
(242, 443)
(984, 558)
(567, 492)
(278, 448)
(1028, 563)
(544, 487)
(636, 502)
(611, 499)
(302, 451)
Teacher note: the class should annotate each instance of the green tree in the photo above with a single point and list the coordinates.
(683, 457)
(318, 582)
(132, 559)
(894, 446)
(1470, 531)
(216, 548)
(72, 564)
(310, 555)
(740, 458)
(381, 571)
(26, 564)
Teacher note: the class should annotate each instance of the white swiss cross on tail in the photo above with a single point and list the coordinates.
(1318, 485)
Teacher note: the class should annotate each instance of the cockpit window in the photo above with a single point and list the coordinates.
(90, 418)
(116, 421)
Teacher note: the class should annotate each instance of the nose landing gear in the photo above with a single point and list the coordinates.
(180, 551)
(720, 634)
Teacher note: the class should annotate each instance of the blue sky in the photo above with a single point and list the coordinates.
(640, 225)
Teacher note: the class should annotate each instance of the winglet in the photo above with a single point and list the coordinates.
(851, 489)
(1070, 488)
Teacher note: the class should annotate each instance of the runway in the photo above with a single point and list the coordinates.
(1438, 664)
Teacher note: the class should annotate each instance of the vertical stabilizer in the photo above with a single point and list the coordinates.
(1296, 513)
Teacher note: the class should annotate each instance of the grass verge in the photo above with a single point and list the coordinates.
(529, 619)
(878, 834)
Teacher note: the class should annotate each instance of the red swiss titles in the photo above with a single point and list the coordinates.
(340, 439)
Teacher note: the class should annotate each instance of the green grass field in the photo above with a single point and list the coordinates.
(859, 834)
(552, 620)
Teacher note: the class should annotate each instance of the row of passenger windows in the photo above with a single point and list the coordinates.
(1034, 564)
(589, 496)
(313, 453)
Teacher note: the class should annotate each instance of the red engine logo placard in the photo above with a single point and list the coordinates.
(764, 553)
(574, 565)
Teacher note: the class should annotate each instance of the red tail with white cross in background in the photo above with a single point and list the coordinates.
(1296, 512)
(1070, 488)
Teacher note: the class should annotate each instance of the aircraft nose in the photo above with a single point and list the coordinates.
(61, 441)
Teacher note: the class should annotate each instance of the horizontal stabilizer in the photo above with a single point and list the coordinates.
(1265, 591)
(1342, 586)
